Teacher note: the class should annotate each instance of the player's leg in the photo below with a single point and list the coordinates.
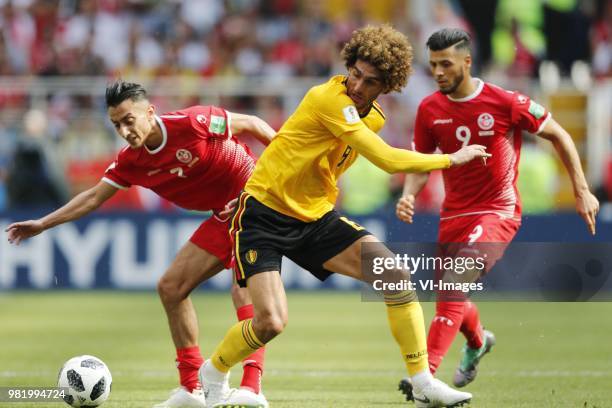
(471, 328)
(253, 228)
(403, 309)
(217, 240)
(246, 337)
(270, 318)
(449, 315)
(191, 266)
(443, 330)
(208, 252)
(405, 317)
(490, 237)
(253, 364)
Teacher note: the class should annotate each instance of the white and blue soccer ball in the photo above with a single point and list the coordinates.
(86, 381)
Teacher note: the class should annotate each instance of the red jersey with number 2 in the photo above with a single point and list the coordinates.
(198, 166)
(493, 117)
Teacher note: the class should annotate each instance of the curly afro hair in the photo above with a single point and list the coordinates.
(387, 49)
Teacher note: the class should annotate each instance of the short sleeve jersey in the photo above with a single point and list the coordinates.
(297, 174)
(199, 165)
(493, 117)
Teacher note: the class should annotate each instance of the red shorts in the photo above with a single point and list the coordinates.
(213, 236)
(486, 234)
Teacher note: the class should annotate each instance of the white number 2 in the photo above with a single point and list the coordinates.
(476, 233)
(178, 171)
(463, 135)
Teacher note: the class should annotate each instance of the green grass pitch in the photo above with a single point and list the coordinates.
(336, 351)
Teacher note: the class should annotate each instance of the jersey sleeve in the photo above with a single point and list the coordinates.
(116, 175)
(528, 114)
(336, 111)
(423, 140)
(210, 121)
(390, 159)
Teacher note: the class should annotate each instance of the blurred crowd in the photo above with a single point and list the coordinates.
(64, 146)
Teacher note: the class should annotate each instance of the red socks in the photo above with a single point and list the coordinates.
(442, 332)
(471, 327)
(253, 364)
(450, 318)
(188, 362)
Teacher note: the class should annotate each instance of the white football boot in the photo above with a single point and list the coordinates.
(181, 398)
(437, 394)
(243, 398)
(215, 384)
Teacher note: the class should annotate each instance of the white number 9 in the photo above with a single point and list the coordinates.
(463, 135)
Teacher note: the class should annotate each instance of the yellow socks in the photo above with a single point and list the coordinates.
(408, 329)
(239, 342)
(405, 319)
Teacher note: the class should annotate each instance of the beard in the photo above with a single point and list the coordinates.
(453, 86)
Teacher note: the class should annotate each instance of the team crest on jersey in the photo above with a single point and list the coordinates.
(251, 256)
(201, 119)
(486, 121)
(522, 99)
(183, 155)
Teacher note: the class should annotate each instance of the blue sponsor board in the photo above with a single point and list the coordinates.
(132, 250)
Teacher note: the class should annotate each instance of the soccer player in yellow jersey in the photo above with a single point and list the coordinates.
(287, 208)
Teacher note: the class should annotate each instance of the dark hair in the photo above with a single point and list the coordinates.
(387, 49)
(120, 90)
(448, 37)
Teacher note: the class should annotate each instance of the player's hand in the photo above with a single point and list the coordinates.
(467, 154)
(588, 207)
(404, 209)
(228, 210)
(19, 231)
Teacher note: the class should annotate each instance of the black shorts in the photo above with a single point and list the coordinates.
(261, 236)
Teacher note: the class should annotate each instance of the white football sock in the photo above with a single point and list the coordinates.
(422, 380)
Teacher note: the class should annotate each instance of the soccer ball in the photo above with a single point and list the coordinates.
(86, 380)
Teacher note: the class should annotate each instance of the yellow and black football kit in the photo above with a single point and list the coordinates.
(287, 209)
(294, 183)
(297, 174)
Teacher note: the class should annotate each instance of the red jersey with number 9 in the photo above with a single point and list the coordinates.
(493, 117)
(199, 165)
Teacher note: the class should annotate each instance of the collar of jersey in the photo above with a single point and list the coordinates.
(472, 95)
(164, 137)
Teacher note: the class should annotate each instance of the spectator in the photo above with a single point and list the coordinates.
(518, 40)
(601, 41)
(19, 32)
(276, 39)
(33, 181)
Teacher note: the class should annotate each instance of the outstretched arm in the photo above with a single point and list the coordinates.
(586, 203)
(393, 160)
(252, 124)
(82, 204)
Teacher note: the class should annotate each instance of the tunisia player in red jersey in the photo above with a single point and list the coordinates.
(192, 158)
(481, 202)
